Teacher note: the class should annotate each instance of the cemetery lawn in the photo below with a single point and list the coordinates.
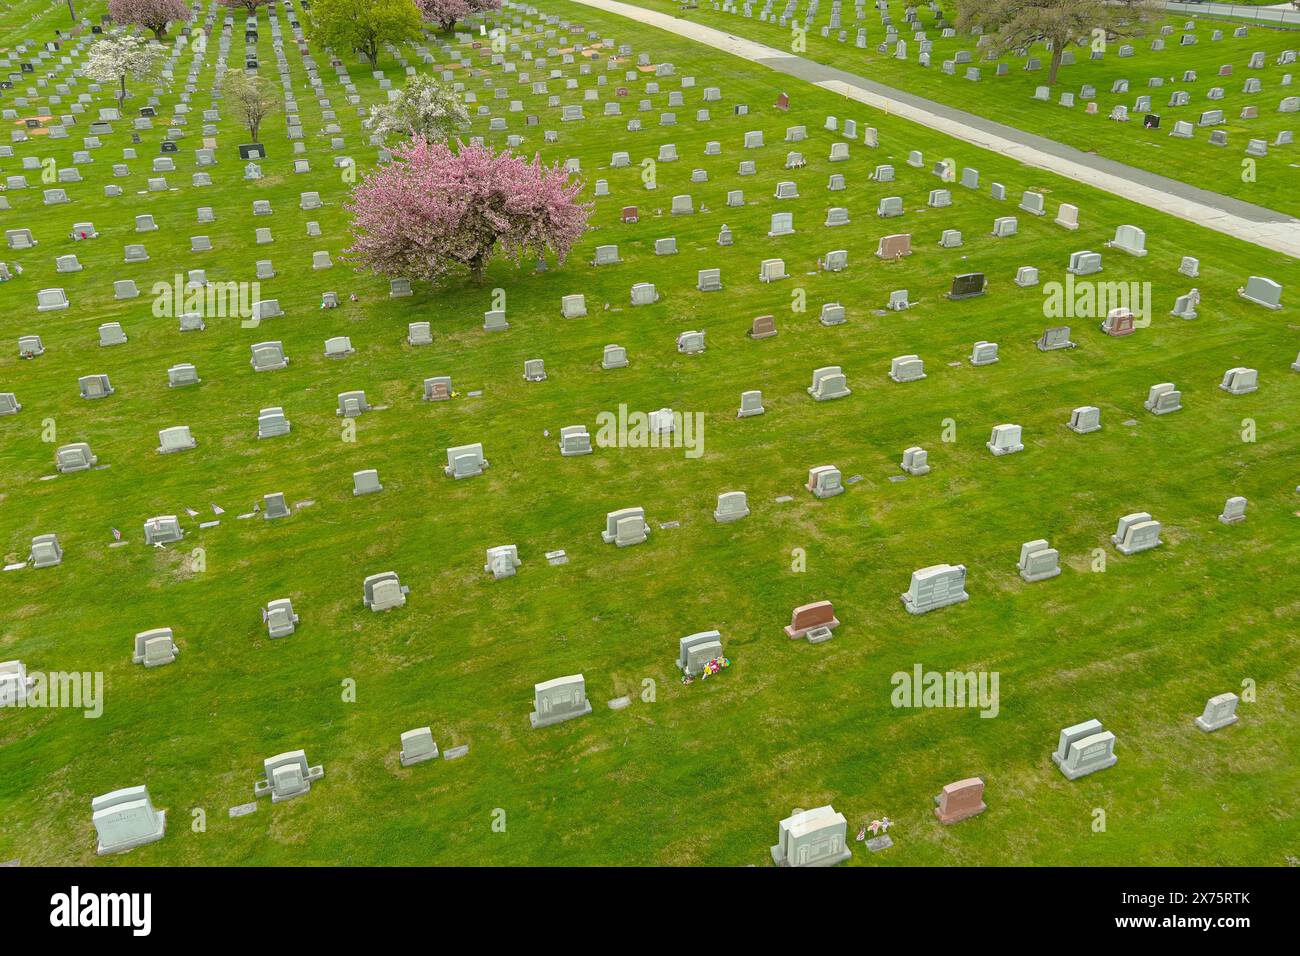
(38, 19)
(1009, 99)
(698, 774)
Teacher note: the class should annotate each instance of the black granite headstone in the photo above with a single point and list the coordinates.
(967, 285)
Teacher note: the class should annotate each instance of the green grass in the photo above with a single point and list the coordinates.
(702, 774)
(1009, 99)
(36, 20)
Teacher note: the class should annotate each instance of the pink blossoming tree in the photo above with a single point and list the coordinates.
(435, 211)
(150, 14)
(248, 6)
(445, 13)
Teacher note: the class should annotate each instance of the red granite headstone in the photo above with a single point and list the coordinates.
(960, 801)
(895, 246)
(764, 327)
(808, 616)
(1119, 322)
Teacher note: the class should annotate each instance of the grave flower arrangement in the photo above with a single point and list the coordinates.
(715, 666)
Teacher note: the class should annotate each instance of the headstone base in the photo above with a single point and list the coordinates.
(1217, 725)
(539, 721)
(1124, 549)
(795, 633)
(1078, 772)
(1040, 576)
(913, 609)
(421, 758)
(779, 858)
(829, 494)
(960, 815)
(154, 837)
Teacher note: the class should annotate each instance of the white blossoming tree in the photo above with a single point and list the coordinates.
(121, 57)
(422, 109)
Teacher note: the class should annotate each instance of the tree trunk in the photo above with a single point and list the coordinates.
(253, 127)
(1057, 51)
(121, 94)
(479, 263)
(72, 11)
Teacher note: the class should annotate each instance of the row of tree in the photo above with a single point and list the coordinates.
(434, 211)
(364, 26)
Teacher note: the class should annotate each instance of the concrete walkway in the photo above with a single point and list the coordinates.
(1268, 228)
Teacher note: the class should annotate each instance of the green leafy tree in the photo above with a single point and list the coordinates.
(363, 25)
(1017, 24)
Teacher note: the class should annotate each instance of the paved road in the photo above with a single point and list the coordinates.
(1264, 227)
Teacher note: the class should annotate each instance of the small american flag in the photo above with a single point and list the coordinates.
(117, 535)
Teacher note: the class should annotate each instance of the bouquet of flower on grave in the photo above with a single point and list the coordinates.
(714, 666)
